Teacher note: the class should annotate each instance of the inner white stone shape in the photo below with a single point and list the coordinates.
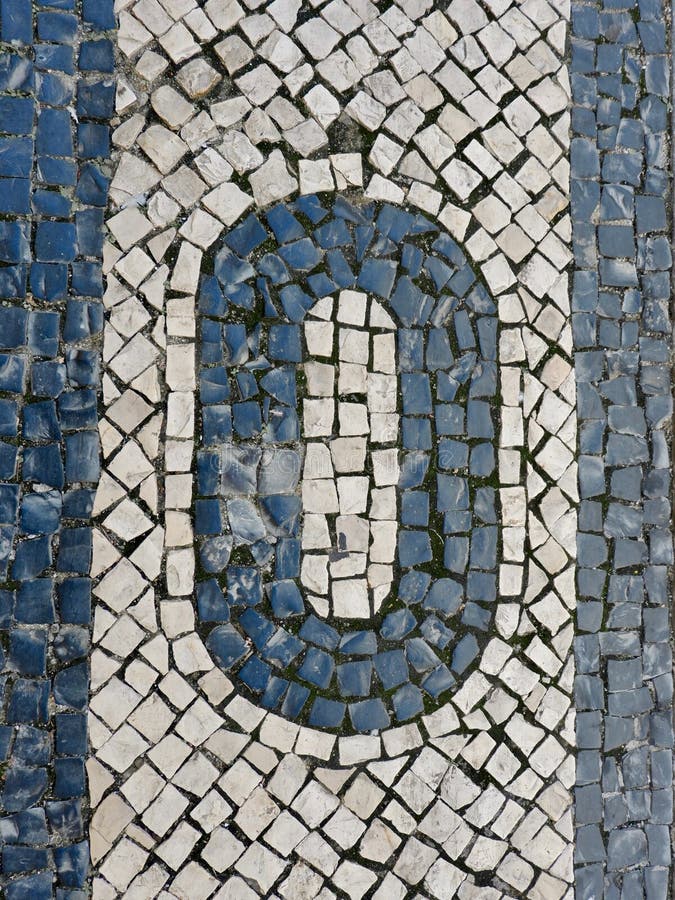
(351, 468)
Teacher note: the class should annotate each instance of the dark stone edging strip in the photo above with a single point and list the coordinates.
(57, 97)
(620, 194)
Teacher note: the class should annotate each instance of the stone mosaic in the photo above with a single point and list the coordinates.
(291, 369)
(319, 599)
(56, 100)
(195, 779)
(620, 194)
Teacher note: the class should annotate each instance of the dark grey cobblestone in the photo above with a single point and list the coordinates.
(620, 190)
(56, 98)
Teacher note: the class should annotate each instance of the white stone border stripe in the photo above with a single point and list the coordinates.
(160, 695)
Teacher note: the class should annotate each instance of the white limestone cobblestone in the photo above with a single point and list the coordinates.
(337, 52)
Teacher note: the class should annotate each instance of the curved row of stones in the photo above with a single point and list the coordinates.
(198, 790)
(621, 184)
(321, 562)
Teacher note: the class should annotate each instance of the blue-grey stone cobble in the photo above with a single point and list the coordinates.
(620, 193)
(56, 100)
(258, 625)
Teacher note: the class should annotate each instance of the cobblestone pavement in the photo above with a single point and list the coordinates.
(56, 93)
(622, 331)
(308, 349)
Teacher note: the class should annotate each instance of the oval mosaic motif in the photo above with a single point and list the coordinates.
(346, 504)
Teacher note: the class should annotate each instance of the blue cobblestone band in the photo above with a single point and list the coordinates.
(370, 666)
(621, 194)
(56, 100)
